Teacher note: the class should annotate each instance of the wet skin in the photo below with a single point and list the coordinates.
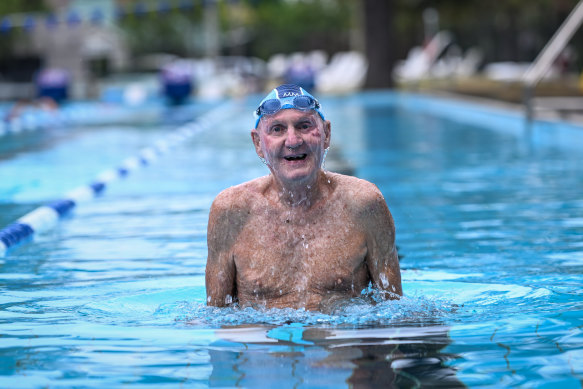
(300, 237)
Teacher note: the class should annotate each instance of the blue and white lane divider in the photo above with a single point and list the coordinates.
(47, 216)
(75, 114)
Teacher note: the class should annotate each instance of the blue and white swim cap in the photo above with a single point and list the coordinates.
(287, 96)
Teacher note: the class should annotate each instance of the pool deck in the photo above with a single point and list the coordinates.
(556, 100)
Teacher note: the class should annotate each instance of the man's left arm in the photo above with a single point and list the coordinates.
(382, 258)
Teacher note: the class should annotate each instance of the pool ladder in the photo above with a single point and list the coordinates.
(544, 61)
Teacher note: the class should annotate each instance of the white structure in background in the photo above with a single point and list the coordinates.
(505, 71)
(277, 66)
(215, 80)
(470, 62)
(420, 60)
(317, 59)
(223, 76)
(453, 63)
(440, 58)
(346, 72)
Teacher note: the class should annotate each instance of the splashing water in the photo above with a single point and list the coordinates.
(323, 164)
(370, 309)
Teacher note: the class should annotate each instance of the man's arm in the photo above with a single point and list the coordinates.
(225, 223)
(382, 258)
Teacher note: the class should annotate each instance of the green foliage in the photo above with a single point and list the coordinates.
(509, 30)
(8, 7)
(162, 32)
(288, 26)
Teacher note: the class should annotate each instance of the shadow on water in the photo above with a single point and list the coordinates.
(294, 355)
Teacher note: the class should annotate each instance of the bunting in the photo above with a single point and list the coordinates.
(30, 21)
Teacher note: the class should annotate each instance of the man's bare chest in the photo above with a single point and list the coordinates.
(278, 256)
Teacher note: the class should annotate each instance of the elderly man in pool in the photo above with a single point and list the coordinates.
(300, 237)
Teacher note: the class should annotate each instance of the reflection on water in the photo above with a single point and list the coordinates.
(361, 343)
(293, 355)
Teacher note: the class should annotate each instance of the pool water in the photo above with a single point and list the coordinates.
(489, 223)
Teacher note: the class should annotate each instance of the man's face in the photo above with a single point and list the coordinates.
(292, 143)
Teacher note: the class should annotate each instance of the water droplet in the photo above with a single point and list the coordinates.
(384, 281)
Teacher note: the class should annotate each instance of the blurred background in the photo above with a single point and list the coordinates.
(130, 51)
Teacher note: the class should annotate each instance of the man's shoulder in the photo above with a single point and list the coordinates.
(240, 196)
(230, 212)
(357, 189)
(365, 201)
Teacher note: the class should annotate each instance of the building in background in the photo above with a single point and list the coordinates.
(82, 39)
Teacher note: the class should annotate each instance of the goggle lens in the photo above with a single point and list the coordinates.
(304, 102)
(269, 107)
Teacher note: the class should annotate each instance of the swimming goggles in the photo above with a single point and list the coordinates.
(272, 106)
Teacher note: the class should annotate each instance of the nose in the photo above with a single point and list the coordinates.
(293, 138)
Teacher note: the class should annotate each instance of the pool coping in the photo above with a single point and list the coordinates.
(520, 109)
(544, 131)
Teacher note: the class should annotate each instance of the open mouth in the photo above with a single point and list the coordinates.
(299, 157)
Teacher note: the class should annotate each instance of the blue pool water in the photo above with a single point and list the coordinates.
(489, 220)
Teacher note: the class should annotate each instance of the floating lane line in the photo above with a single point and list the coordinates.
(76, 114)
(47, 216)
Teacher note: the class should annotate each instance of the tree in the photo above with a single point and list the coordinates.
(379, 47)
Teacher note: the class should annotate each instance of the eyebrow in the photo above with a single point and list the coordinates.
(304, 118)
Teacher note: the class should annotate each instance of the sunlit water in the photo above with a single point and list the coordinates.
(489, 229)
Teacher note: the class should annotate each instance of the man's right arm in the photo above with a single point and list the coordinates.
(225, 223)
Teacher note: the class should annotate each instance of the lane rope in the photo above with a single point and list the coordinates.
(32, 119)
(47, 216)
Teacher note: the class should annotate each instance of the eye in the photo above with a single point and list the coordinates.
(276, 130)
(304, 126)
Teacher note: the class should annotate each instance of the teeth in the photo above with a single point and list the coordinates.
(295, 158)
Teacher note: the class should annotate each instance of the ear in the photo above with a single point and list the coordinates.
(257, 142)
(327, 133)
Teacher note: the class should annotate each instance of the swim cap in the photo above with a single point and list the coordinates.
(284, 97)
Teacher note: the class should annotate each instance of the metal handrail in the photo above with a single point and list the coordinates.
(549, 53)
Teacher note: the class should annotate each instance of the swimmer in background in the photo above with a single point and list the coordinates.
(43, 104)
(300, 237)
